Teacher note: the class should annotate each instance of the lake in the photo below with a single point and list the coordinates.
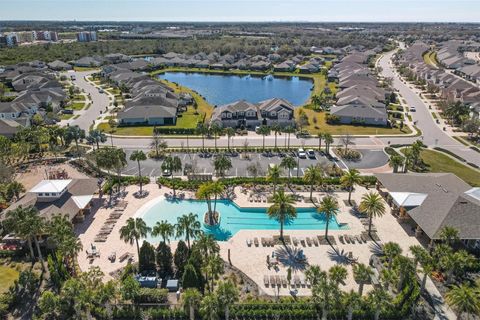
(223, 89)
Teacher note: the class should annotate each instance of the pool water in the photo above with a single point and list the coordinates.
(223, 89)
(233, 218)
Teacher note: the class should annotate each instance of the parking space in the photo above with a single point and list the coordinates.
(240, 163)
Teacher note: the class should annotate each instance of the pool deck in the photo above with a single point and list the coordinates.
(250, 260)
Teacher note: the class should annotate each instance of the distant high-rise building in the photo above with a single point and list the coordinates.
(11, 39)
(46, 35)
(86, 36)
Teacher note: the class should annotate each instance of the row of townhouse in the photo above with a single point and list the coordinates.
(240, 62)
(451, 55)
(36, 91)
(246, 115)
(450, 87)
(360, 99)
(13, 38)
(149, 102)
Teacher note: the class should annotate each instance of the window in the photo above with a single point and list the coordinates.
(47, 194)
(229, 115)
(40, 194)
(273, 113)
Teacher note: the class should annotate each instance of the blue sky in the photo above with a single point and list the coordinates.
(243, 10)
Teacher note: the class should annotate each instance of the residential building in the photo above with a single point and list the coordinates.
(86, 36)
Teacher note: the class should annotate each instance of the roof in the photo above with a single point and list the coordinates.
(449, 202)
(408, 199)
(69, 203)
(51, 186)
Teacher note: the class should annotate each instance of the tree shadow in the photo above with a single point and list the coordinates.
(291, 257)
(338, 256)
(218, 233)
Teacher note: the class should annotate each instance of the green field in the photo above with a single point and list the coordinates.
(77, 105)
(66, 116)
(321, 125)
(79, 97)
(7, 277)
(439, 162)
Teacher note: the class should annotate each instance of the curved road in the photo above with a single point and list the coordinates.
(433, 135)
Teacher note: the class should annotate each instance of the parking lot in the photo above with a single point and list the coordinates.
(201, 164)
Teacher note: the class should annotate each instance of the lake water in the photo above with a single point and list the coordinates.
(233, 218)
(223, 89)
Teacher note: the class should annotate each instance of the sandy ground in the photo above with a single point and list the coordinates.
(37, 173)
(250, 260)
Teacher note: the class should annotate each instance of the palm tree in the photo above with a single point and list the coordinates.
(349, 180)
(204, 192)
(372, 204)
(288, 163)
(213, 267)
(449, 235)
(28, 224)
(288, 130)
(464, 299)
(172, 164)
(419, 254)
(320, 137)
(95, 137)
(313, 274)
(138, 155)
(157, 143)
(222, 164)
(188, 226)
(74, 133)
(14, 190)
(202, 130)
(207, 245)
(408, 157)
(133, 230)
(216, 130)
(282, 209)
(191, 298)
(391, 250)
(313, 175)
(230, 133)
(328, 141)
(379, 299)
(352, 299)
(329, 207)
(337, 274)
(276, 130)
(209, 307)
(273, 175)
(227, 294)
(264, 131)
(163, 229)
(217, 189)
(395, 162)
(362, 274)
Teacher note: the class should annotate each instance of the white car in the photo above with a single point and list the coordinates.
(301, 154)
(311, 154)
(412, 109)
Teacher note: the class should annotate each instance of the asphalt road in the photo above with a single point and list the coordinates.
(99, 101)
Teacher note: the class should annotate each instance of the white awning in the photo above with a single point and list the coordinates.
(82, 201)
(474, 193)
(408, 199)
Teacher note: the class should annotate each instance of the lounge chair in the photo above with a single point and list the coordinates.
(309, 242)
(357, 237)
(303, 282)
(295, 241)
(350, 255)
(264, 243)
(364, 238)
(296, 281)
(302, 242)
(347, 239)
(249, 242)
(340, 238)
(315, 242)
(255, 241)
(284, 281)
(265, 280)
(124, 256)
(352, 239)
(278, 282)
(272, 281)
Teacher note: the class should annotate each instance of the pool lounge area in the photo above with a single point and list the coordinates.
(232, 217)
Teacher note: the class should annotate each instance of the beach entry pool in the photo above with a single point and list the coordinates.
(220, 89)
(232, 218)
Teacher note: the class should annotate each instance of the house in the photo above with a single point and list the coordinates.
(432, 201)
(244, 114)
(10, 127)
(58, 65)
(145, 109)
(70, 197)
(285, 66)
(361, 114)
(89, 62)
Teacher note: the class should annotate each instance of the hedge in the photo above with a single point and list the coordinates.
(127, 180)
(193, 185)
(190, 131)
(475, 149)
(152, 295)
(157, 313)
(450, 153)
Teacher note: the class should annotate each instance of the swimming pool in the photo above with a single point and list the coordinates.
(233, 218)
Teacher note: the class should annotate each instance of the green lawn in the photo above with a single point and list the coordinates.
(7, 277)
(431, 58)
(85, 68)
(66, 116)
(77, 105)
(114, 91)
(188, 119)
(321, 125)
(439, 162)
(79, 97)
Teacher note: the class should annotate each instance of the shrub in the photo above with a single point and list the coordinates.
(348, 154)
(450, 153)
(152, 295)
